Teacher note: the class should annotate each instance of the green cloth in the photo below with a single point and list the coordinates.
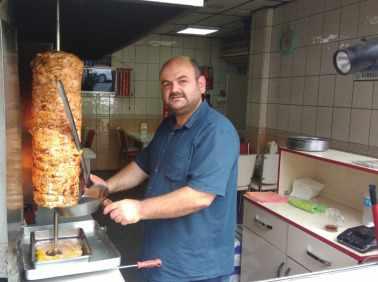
(307, 206)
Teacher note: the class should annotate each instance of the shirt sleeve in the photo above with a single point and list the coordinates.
(142, 160)
(214, 158)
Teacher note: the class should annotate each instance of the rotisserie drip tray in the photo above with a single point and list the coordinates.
(72, 246)
(85, 248)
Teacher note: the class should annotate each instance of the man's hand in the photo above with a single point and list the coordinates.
(98, 190)
(124, 212)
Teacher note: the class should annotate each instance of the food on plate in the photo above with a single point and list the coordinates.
(56, 161)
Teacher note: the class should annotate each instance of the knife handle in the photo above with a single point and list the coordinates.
(149, 263)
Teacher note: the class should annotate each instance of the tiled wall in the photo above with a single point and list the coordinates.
(300, 92)
(106, 112)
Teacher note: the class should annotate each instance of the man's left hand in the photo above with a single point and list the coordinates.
(124, 212)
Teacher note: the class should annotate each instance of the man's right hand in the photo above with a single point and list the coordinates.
(98, 190)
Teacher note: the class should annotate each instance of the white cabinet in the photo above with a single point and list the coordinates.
(281, 240)
(313, 253)
(260, 260)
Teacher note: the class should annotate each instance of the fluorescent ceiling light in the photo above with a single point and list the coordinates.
(198, 30)
(196, 3)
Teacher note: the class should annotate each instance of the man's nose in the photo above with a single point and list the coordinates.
(175, 87)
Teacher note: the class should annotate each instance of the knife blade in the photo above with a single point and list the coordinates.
(75, 135)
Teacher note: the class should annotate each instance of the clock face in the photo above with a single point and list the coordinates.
(288, 41)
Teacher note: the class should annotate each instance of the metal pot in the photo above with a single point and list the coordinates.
(308, 144)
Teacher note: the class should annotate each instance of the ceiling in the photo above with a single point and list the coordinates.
(231, 16)
(94, 28)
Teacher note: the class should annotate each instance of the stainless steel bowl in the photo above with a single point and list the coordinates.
(308, 144)
(89, 202)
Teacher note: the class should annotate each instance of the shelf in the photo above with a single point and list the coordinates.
(340, 158)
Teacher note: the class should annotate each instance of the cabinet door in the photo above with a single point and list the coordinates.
(259, 259)
(294, 268)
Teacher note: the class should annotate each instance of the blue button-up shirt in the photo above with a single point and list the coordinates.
(203, 155)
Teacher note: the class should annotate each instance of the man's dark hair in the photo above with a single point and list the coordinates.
(193, 62)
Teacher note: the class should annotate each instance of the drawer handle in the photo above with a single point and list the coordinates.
(262, 223)
(279, 269)
(322, 261)
(287, 272)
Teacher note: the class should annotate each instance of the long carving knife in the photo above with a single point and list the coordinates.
(75, 135)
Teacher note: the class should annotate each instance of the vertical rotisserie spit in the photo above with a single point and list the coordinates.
(56, 161)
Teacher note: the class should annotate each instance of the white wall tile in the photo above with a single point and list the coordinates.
(375, 96)
(373, 135)
(340, 124)
(299, 62)
(140, 105)
(275, 39)
(299, 27)
(257, 65)
(313, 7)
(349, 21)
(189, 42)
(274, 90)
(153, 72)
(272, 114)
(331, 26)
(310, 95)
(140, 71)
(324, 122)
(313, 55)
(326, 90)
(128, 105)
(283, 117)
(153, 54)
(314, 29)
(285, 91)
(275, 65)
(189, 52)
(362, 94)
(128, 54)
(141, 54)
(327, 58)
(309, 120)
(359, 126)
(344, 90)
(153, 106)
(153, 89)
(102, 105)
(177, 52)
(368, 18)
(297, 90)
(295, 118)
(140, 88)
(286, 65)
(165, 53)
(332, 4)
(202, 57)
(347, 2)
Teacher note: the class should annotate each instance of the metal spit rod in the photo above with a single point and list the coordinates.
(54, 250)
(58, 25)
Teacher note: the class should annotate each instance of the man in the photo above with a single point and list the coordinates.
(190, 206)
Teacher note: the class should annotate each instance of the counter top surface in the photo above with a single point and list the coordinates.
(314, 223)
(354, 273)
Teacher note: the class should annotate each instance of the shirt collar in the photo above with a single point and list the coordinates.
(197, 115)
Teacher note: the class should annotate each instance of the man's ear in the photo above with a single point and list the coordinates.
(202, 84)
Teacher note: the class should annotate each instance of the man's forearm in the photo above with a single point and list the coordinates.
(181, 202)
(129, 177)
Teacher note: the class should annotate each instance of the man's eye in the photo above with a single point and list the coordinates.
(165, 84)
(183, 81)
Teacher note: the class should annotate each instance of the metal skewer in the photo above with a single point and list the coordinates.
(54, 250)
(58, 25)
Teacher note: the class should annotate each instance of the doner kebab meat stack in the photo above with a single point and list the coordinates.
(56, 161)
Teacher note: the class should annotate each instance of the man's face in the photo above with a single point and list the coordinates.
(180, 87)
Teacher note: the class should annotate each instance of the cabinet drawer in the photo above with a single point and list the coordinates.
(313, 253)
(265, 224)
